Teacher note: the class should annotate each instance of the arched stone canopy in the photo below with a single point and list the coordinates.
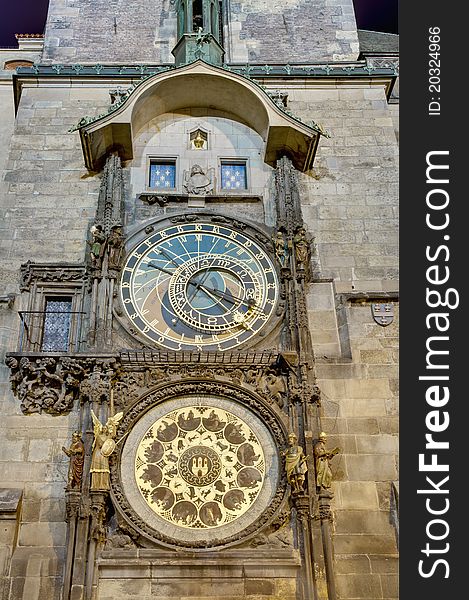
(200, 85)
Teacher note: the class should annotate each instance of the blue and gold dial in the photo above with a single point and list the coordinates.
(199, 286)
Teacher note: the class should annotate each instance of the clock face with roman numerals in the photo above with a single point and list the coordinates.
(199, 286)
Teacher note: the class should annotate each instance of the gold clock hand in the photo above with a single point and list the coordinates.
(166, 255)
(251, 303)
(160, 268)
(227, 295)
(196, 285)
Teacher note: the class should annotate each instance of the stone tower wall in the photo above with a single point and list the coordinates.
(254, 31)
(349, 200)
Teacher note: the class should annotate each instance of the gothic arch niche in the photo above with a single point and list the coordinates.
(195, 14)
(220, 137)
(200, 467)
(201, 86)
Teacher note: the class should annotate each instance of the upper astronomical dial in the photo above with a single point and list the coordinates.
(199, 286)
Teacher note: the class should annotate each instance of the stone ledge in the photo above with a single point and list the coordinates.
(10, 502)
(230, 564)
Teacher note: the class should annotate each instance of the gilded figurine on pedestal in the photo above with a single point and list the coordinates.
(295, 464)
(322, 457)
(281, 249)
(76, 453)
(103, 446)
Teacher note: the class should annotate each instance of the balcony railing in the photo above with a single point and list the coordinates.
(50, 331)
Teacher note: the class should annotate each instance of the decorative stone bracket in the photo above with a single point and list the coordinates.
(50, 383)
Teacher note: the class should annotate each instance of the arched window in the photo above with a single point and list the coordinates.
(197, 15)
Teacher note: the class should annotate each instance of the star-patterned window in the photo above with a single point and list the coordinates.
(56, 327)
(233, 175)
(163, 174)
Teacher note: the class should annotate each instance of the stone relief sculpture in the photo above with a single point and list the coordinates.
(322, 457)
(46, 384)
(199, 182)
(103, 447)
(76, 453)
(295, 464)
(274, 386)
(281, 248)
(301, 248)
(115, 243)
(97, 245)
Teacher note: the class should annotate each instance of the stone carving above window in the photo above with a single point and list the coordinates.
(199, 182)
(53, 300)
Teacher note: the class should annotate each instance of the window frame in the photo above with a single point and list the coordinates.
(222, 161)
(43, 283)
(51, 298)
(152, 159)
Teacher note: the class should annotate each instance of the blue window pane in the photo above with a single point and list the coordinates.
(57, 320)
(163, 175)
(233, 176)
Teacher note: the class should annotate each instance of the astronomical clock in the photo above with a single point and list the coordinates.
(200, 465)
(199, 286)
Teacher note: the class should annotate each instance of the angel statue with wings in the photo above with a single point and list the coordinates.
(103, 446)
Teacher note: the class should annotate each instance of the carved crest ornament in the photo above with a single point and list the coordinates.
(383, 313)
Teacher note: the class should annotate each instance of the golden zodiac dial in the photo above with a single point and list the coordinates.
(200, 467)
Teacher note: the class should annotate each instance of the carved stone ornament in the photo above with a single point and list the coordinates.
(267, 381)
(199, 467)
(383, 313)
(45, 384)
(60, 273)
(98, 517)
(73, 501)
(199, 182)
(387, 62)
(324, 507)
(50, 384)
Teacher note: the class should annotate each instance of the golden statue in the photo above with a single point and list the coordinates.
(322, 457)
(76, 453)
(295, 464)
(103, 446)
(199, 141)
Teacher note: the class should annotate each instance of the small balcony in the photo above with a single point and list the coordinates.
(51, 331)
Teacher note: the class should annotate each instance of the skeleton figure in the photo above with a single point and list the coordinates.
(281, 248)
